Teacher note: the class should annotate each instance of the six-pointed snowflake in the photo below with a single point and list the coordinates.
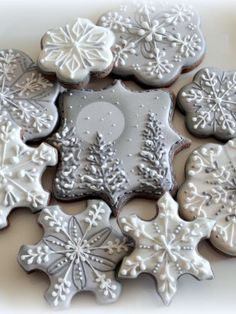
(78, 253)
(21, 168)
(210, 103)
(26, 95)
(76, 50)
(166, 247)
(210, 191)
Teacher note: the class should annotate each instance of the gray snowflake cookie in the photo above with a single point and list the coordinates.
(78, 253)
(210, 191)
(76, 51)
(166, 247)
(155, 42)
(27, 96)
(209, 103)
(115, 144)
(21, 168)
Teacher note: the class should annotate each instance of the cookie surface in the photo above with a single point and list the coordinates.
(27, 96)
(21, 168)
(209, 103)
(210, 191)
(78, 253)
(155, 43)
(77, 50)
(115, 144)
(166, 247)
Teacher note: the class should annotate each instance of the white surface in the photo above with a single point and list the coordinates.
(22, 23)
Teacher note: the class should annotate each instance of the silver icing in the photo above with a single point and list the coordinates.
(155, 42)
(210, 191)
(27, 96)
(166, 247)
(99, 158)
(209, 103)
(77, 253)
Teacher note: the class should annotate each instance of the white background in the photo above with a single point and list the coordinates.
(22, 24)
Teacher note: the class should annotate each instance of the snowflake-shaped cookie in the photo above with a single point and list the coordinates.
(78, 253)
(210, 103)
(115, 144)
(155, 42)
(77, 50)
(210, 191)
(26, 95)
(166, 247)
(21, 168)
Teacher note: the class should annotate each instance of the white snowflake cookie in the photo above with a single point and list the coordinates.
(210, 191)
(21, 168)
(27, 96)
(209, 103)
(155, 43)
(76, 51)
(78, 253)
(166, 247)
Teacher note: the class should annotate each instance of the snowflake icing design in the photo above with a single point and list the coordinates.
(76, 50)
(210, 191)
(78, 253)
(155, 43)
(26, 95)
(21, 168)
(166, 247)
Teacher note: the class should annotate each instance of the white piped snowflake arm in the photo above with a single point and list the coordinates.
(166, 247)
(21, 168)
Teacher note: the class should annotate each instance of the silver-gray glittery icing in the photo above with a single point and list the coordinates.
(115, 144)
(155, 42)
(78, 253)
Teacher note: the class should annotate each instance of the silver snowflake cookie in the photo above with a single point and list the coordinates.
(209, 103)
(166, 247)
(115, 144)
(155, 42)
(78, 253)
(76, 51)
(21, 168)
(27, 96)
(210, 191)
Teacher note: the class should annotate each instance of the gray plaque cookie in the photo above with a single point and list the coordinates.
(115, 144)
(75, 51)
(209, 103)
(166, 247)
(78, 253)
(155, 43)
(27, 96)
(210, 191)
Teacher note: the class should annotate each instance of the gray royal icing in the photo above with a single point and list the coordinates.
(76, 50)
(155, 42)
(209, 103)
(210, 191)
(115, 144)
(26, 95)
(166, 247)
(21, 168)
(77, 253)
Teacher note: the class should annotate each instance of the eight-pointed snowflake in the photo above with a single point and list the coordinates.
(166, 247)
(78, 253)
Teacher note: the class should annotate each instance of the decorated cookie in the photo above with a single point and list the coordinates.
(76, 51)
(78, 253)
(210, 191)
(21, 168)
(115, 144)
(155, 43)
(166, 247)
(210, 104)
(27, 96)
